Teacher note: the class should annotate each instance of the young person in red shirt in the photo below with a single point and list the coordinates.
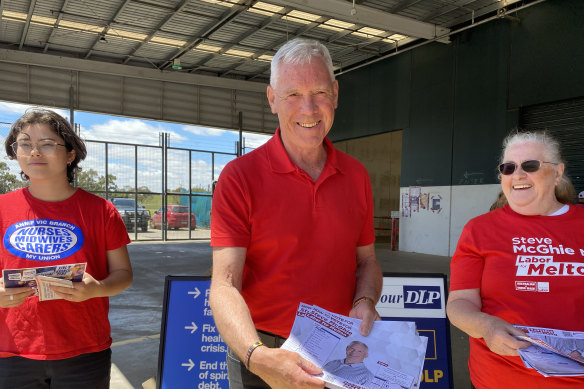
(64, 343)
(292, 222)
(519, 264)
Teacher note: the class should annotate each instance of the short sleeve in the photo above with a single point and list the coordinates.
(115, 229)
(367, 235)
(466, 266)
(230, 213)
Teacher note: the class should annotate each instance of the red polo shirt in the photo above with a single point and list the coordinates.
(301, 236)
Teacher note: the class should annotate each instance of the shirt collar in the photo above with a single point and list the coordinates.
(353, 364)
(280, 162)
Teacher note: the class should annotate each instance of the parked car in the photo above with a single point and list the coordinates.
(127, 208)
(177, 216)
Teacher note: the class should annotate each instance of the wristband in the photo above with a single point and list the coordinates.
(361, 299)
(250, 351)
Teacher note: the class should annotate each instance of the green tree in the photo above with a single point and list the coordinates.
(91, 181)
(201, 189)
(8, 182)
(142, 197)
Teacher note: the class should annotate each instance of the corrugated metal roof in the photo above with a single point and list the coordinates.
(220, 37)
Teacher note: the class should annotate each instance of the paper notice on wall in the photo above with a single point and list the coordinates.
(424, 198)
(405, 205)
(415, 192)
(435, 203)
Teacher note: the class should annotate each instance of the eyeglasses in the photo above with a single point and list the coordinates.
(45, 147)
(530, 166)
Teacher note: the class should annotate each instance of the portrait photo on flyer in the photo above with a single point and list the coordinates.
(391, 357)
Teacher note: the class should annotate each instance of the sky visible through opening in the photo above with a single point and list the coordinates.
(108, 128)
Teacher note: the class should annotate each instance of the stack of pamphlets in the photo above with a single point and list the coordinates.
(391, 357)
(553, 352)
(41, 278)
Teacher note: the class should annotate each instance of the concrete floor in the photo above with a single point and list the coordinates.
(135, 315)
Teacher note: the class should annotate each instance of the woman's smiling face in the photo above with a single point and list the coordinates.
(39, 166)
(531, 193)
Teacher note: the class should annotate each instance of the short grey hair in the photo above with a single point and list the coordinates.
(300, 51)
(552, 145)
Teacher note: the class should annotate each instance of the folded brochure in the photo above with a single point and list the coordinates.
(41, 278)
(391, 357)
(553, 352)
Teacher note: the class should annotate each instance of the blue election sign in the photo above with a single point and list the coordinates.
(192, 353)
(421, 298)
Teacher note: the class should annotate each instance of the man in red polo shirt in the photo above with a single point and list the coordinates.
(292, 222)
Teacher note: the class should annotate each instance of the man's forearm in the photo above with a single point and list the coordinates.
(232, 318)
(369, 278)
(230, 310)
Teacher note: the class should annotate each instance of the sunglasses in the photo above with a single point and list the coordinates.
(530, 166)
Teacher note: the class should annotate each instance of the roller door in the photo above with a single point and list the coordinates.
(565, 121)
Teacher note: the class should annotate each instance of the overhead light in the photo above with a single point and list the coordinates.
(176, 64)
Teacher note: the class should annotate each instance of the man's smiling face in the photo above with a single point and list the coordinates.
(304, 98)
(356, 353)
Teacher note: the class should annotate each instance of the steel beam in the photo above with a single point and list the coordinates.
(367, 16)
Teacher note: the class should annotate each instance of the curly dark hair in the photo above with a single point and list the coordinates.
(59, 125)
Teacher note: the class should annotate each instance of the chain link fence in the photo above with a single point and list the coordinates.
(153, 187)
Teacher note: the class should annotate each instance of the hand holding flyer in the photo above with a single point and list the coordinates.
(554, 352)
(391, 357)
(41, 278)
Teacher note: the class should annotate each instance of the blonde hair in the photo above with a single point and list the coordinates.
(565, 191)
(501, 201)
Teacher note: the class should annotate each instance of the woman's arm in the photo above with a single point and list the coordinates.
(120, 278)
(464, 311)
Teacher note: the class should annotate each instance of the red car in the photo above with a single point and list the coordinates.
(177, 216)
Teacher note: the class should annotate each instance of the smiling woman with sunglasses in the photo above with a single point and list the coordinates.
(62, 343)
(520, 264)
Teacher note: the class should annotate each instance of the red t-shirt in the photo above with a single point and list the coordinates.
(301, 236)
(79, 229)
(530, 271)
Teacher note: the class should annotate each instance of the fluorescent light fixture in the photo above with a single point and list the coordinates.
(260, 11)
(265, 8)
(266, 58)
(208, 48)
(224, 3)
(268, 7)
(167, 41)
(371, 31)
(303, 15)
(394, 38)
(340, 24)
(79, 26)
(239, 53)
(116, 33)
